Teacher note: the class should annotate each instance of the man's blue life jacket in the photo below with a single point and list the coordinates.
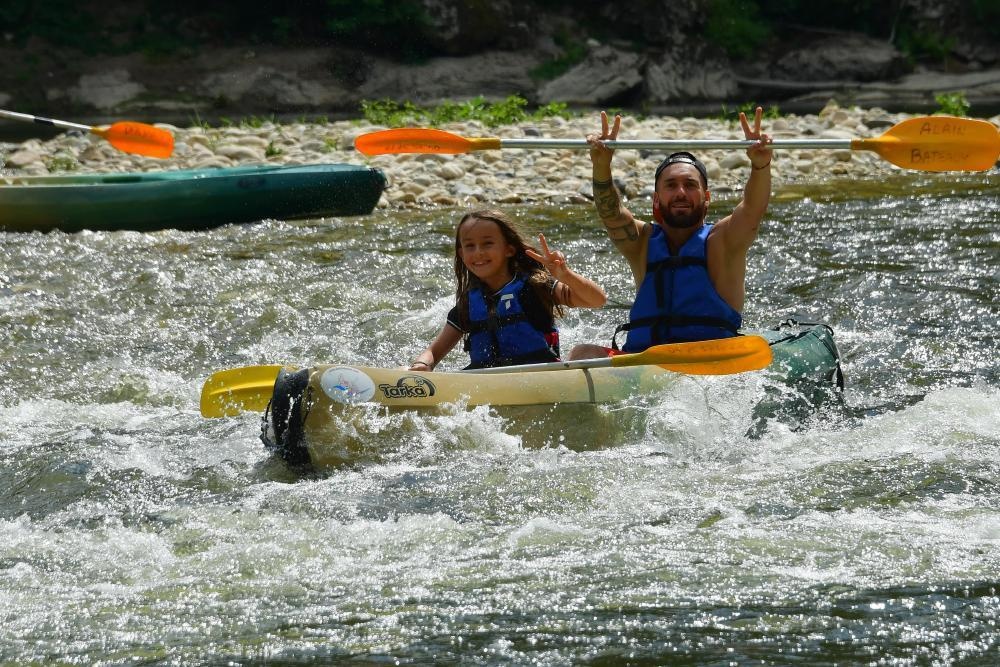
(677, 301)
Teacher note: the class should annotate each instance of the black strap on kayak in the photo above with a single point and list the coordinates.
(281, 427)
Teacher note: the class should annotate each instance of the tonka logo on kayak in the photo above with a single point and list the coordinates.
(409, 386)
(344, 384)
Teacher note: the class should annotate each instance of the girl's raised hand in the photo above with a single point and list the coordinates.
(553, 260)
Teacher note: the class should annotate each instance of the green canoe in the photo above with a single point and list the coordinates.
(186, 199)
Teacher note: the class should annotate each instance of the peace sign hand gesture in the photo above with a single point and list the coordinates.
(553, 260)
(759, 152)
(598, 151)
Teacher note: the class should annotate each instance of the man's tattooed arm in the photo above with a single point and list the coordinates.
(609, 207)
(606, 199)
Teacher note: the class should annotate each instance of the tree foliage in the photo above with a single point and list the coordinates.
(402, 28)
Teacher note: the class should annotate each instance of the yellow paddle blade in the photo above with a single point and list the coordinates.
(138, 138)
(230, 392)
(937, 143)
(420, 140)
(723, 356)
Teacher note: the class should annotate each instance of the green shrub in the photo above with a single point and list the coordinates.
(255, 122)
(272, 150)
(390, 113)
(492, 114)
(952, 104)
(733, 115)
(551, 110)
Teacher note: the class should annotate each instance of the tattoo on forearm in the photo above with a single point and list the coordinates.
(609, 207)
(622, 233)
(606, 200)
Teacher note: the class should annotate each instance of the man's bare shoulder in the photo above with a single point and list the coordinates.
(721, 233)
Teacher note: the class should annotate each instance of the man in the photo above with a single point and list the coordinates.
(689, 275)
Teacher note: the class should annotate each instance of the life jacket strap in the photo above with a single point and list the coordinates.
(495, 322)
(670, 264)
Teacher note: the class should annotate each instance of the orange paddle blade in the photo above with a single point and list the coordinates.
(722, 356)
(420, 140)
(752, 360)
(937, 143)
(138, 138)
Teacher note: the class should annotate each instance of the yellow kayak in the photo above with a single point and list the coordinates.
(307, 405)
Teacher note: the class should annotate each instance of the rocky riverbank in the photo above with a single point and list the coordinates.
(509, 176)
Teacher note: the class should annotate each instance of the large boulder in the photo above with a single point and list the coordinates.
(493, 75)
(606, 75)
(844, 57)
(684, 75)
(268, 79)
(105, 90)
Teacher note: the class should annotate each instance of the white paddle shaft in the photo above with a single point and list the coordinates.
(675, 144)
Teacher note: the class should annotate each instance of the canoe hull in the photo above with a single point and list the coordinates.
(308, 403)
(186, 199)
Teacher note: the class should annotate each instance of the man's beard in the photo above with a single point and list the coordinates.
(684, 220)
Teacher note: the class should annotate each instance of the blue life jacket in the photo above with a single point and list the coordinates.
(677, 301)
(506, 336)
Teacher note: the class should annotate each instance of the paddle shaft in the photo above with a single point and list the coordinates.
(676, 144)
(43, 121)
(578, 364)
(929, 143)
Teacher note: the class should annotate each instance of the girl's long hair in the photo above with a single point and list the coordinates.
(533, 271)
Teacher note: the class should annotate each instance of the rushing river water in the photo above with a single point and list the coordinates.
(133, 531)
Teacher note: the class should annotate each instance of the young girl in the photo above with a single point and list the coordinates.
(507, 297)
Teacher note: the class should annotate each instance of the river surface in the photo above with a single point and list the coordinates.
(133, 531)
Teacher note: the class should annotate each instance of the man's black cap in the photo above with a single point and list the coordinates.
(686, 158)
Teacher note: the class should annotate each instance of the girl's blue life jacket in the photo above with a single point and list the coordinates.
(503, 335)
